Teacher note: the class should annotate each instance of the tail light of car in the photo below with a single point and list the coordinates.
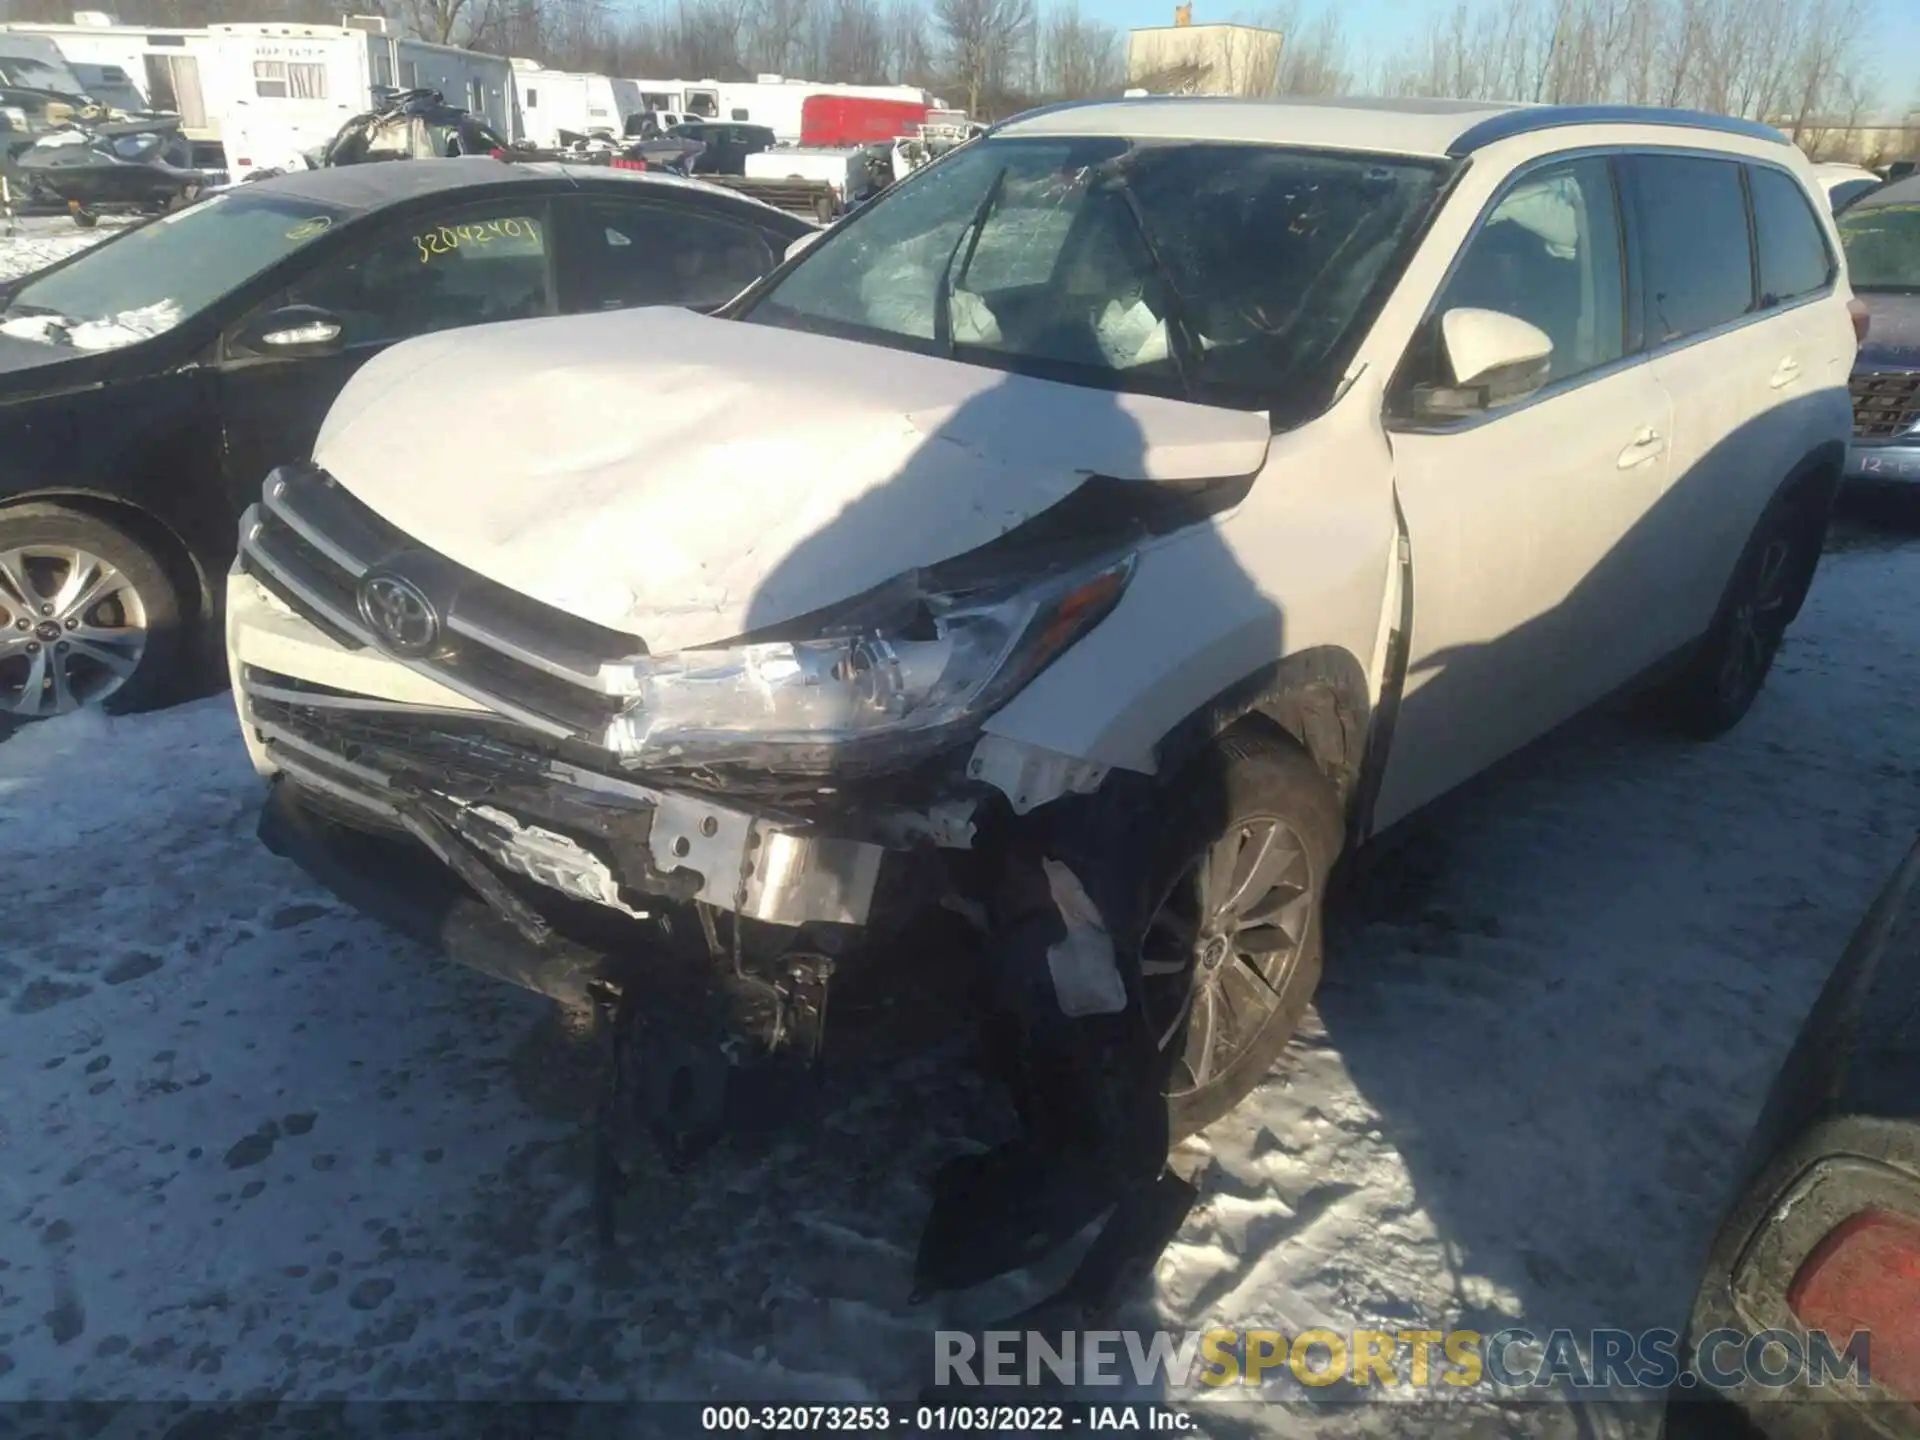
(1862, 320)
(1865, 1275)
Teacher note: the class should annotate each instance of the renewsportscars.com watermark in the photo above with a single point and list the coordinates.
(1403, 1363)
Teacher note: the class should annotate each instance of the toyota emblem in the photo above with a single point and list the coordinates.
(401, 616)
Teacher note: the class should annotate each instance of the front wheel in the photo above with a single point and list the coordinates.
(1231, 953)
(88, 616)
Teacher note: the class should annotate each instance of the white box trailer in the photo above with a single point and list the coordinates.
(291, 87)
(547, 102)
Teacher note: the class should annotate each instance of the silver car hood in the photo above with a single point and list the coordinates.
(687, 479)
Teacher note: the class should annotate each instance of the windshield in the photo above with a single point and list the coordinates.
(32, 74)
(1225, 273)
(155, 276)
(1883, 246)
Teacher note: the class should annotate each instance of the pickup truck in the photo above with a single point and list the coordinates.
(820, 184)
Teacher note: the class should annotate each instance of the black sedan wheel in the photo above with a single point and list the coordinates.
(88, 616)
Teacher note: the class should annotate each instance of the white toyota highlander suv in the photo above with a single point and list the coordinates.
(1096, 536)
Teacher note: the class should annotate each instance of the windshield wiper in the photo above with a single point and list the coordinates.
(1182, 349)
(969, 239)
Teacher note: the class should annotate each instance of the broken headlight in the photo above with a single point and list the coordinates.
(893, 690)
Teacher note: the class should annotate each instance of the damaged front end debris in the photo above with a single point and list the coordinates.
(608, 828)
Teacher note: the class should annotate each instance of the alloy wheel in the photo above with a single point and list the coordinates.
(1222, 946)
(72, 630)
(1758, 623)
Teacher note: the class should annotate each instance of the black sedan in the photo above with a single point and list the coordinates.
(1807, 1322)
(149, 384)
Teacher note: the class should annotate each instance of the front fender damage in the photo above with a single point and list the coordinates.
(1063, 910)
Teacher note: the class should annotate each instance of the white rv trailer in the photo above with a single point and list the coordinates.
(546, 102)
(294, 86)
(681, 99)
(140, 67)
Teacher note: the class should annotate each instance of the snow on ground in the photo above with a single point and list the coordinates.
(251, 1144)
(39, 240)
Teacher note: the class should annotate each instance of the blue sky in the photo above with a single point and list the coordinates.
(1377, 27)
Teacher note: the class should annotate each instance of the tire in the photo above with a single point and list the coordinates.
(1249, 785)
(83, 217)
(1723, 679)
(115, 645)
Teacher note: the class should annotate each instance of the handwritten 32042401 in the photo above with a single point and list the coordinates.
(446, 239)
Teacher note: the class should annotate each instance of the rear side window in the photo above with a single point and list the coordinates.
(1794, 259)
(1696, 262)
(658, 254)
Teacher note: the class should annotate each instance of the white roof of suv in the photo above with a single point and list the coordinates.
(1399, 127)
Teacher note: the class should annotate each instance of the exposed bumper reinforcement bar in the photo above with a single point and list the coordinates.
(404, 889)
(724, 857)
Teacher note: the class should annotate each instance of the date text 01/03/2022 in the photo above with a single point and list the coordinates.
(937, 1419)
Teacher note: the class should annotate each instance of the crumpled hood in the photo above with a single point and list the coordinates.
(687, 479)
(1893, 332)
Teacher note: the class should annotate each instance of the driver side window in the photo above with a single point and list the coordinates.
(436, 273)
(1549, 253)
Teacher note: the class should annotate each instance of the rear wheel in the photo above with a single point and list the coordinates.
(1231, 953)
(88, 616)
(1723, 680)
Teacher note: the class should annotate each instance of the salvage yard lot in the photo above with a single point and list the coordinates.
(40, 240)
(250, 1144)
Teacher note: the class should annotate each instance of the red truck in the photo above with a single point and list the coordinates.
(829, 121)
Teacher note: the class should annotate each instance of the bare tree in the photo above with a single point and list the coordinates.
(441, 21)
(1794, 62)
(850, 42)
(1079, 57)
(909, 55)
(1313, 50)
(986, 42)
(777, 33)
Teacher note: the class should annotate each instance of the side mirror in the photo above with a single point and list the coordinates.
(800, 247)
(294, 332)
(1494, 359)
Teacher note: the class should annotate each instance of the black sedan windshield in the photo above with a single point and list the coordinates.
(1881, 236)
(1228, 273)
(155, 276)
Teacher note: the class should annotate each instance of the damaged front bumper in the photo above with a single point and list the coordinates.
(581, 833)
(456, 793)
(478, 841)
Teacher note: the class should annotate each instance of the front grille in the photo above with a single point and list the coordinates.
(1885, 406)
(310, 542)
